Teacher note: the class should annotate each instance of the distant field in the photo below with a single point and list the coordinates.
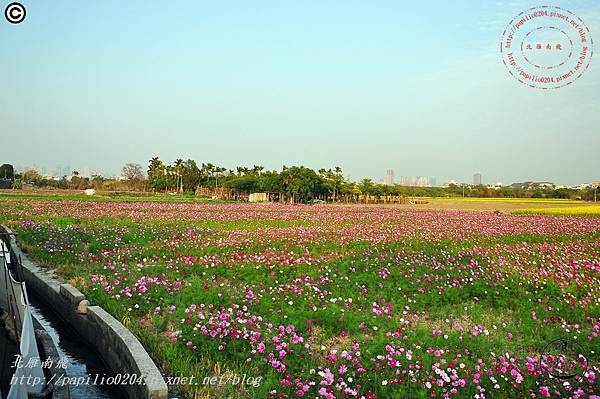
(433, 202)
(510, 200)
(569, 211)
(496, 204)
(104, 196)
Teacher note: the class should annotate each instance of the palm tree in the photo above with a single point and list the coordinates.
(243, 170)
(168, 173)
(207, 171)
(179, 171)
(256, 169)
(338, 180)
(218, 171)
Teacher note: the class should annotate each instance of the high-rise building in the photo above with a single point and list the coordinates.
(407, 181)
(389, 177)
(417, 181)
(422, 181)
(477, 179)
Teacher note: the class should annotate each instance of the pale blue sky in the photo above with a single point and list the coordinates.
(418, 87)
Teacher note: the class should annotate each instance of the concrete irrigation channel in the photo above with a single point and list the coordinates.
(95, 348)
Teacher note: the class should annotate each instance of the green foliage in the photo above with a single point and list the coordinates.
(7, 172)
(300, 182)
(295, 183)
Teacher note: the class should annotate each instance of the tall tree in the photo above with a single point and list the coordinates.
(133, 172)
(157, 174)
(300, 182)
(191, 175)
(7, 172)
(332, 181)
(256, 169)
(218, 173)
(178, 167)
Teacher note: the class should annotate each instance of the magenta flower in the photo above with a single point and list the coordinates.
(261, 347)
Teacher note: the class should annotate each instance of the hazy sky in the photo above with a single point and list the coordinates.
(418, 87)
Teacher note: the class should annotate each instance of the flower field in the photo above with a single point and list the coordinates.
(334, 301)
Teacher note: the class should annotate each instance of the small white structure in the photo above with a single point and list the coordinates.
(258, 197)
(90, 191)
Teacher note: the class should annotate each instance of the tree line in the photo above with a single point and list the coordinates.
(302, 183)
(299, 183)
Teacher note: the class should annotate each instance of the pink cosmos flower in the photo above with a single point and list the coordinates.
(328, 378)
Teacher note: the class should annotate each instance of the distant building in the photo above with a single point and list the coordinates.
(407, 181)
(389, 177)
(258, 197)
(477, 179)
(531, 185)
(449, 183)
(417, 181)
(422, 181)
